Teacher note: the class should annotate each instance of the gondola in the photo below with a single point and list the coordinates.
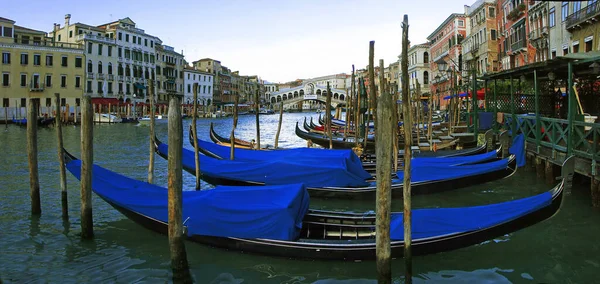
(315, 234)
(337, 142)
(324, 179)
(239, 143)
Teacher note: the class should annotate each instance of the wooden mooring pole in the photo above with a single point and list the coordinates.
(195, 134)
(6, 117)
(179, 262)
(328, 116)
(278, 125)
(407, 154)
(372, 91)
(595, 191)
(383, 152)
(257, 104)
(232, 136)
(87, 161)
(152, 133)
(32, 156)
(61, 163)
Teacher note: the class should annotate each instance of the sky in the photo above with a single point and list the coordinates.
(278, 40)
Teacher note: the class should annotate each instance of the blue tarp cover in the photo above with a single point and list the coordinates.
(453, 161)
(309, 156)
(428, 223)
(272, 172)
(518, 149)
(433, 172)
(271, 212)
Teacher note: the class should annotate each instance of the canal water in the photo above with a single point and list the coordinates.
(563, 249)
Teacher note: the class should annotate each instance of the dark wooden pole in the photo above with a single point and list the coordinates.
(61, 164)
(328, 116)
(87, 162)
(179, 262)
(372, 92)
(356, 93)
(418, 110)
(32, 155)
(395, 127)
(258, 121)
(383, 151)
(152, 133)
(407, 153)
(279, 125)
(368, 118)
(6, 117)
(195, 133)
(232, 136)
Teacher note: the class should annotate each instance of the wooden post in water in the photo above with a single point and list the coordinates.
(279, 125)
(383, 152)
(232, 136)
(61, 163)
(407, 154)
(396, 116)
(372, 91)
(195, 134)
(32, 157)
(356, 93)
(87, 161)
(429, 122)
(6, 117)
(366, 122)
(328, 116)
(152, 133)
(256, 108)
(418, 108)
(179, 262)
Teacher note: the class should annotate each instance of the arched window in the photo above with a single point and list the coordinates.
(90, 67)
(127, 70)
(120, 70)
(425, 57)
(109, 68)
(425, 77)
(99, 67)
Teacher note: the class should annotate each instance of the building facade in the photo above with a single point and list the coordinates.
(515, 44)
(204, 80)
(480, 47)
(36, 66)
(170, 77)
(539, 29)
(582, 23)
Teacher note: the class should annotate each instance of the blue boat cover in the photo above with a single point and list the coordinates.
(518, 149)
(309, 156)
(272, 172)
(434, 172)
(453, 161)
(435, 222)
(271, 212)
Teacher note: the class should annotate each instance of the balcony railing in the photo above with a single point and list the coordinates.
(36, 87)
(101, 76)
(111, 77)
(583, 15)
(518, 45)
(94, 37)
(120, 78)
(90, 75)
(128, 79)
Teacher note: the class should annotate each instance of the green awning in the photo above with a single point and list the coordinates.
(139, 86)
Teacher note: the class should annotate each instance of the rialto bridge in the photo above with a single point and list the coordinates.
(308, 96)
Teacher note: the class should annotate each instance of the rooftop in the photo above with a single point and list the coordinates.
(7, 20)
(440, 27)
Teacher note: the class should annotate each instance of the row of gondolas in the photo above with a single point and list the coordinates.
(260, 203)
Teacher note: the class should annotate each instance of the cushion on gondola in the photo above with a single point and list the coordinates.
(436, 172)
(273, 212)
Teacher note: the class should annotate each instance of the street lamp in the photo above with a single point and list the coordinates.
(134, 110)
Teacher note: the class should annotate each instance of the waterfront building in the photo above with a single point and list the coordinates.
(270, 88)
(480, 47)
(34, 65)
(205, 86)
(539, 29)
(516, 49)
(392, 76)
(582, 23)
(169, 69)
(445, 47)
(418, 68)
(212, 66)
(337, 81)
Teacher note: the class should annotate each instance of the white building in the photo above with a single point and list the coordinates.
(205, 86)
(270, 88)
(337, 81)
(418, 68)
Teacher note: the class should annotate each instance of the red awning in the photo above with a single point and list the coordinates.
(480, 94)
(106, 101)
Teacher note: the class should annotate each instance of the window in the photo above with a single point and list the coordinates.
(204, 89)
(25, 39)
(90, 67)
(99, 49)
(425, 77)
(70, 33)
(89, 86)
(576, 48)
(49, 60)
(109, 51)
(139, 40)
(564, 10)
(5, 57)
(120, 86)
(48, 102)
(565, 51)
(64, 61)
(99, 67)
(63, 81)
(189, 88)
(145, 42)
(23, 102)
(492, 12)
(90, 46)
(100, 91)
(48, 81)
(553, 54)
(209, 88)
(24, 59)
(126, 37)
(127, 88)
(551, 17)
(23, 80)
(588, 45)
(110, 87)
(37, 60)
(493, 35)
(8, 32)
(77, 82)
(120, 36)
(151, 43)
(134, 39)
(120, 52)
(78, 62)
(5, 102)
(110, 71)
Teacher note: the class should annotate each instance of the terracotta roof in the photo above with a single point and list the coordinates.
(6, 20)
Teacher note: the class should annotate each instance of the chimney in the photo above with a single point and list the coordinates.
(55, 31)
(67, 20)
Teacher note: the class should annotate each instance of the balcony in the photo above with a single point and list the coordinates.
(588, 14)
(97, 38)
(120, 78)
(519, 46)
(474, 48)
(539, 33)
(36, 87)
(101, 76)
(127, 59)
(128, 79)
(90, 75)
(111, 77)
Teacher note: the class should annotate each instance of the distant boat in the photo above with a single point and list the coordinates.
(319, 110)
(266, 111)
(145, 120)
(107, 118)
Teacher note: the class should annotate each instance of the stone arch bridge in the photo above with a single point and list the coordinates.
(308, 92)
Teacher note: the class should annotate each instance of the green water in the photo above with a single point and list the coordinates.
(43, 249)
